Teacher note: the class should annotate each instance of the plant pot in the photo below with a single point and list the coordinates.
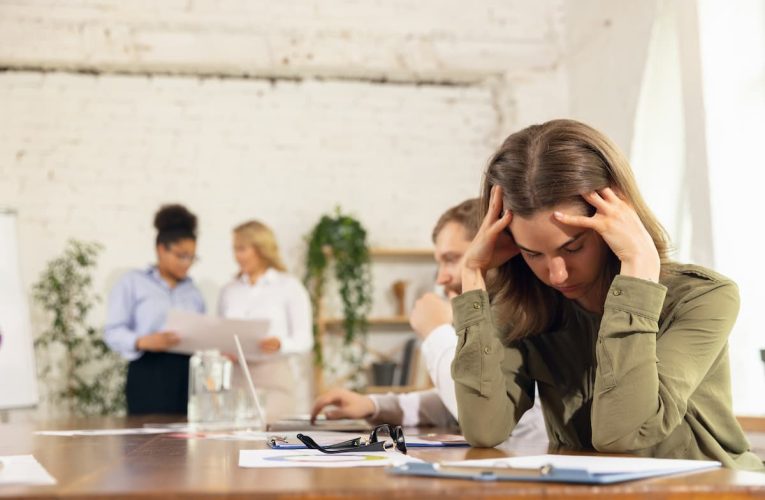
(382, 373)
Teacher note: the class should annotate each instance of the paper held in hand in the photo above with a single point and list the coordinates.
(199, 332)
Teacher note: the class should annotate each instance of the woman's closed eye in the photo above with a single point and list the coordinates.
(573, 250)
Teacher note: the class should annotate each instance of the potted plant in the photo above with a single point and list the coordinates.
(341, 240)
(85, 377)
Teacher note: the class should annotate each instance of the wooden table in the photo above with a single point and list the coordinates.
(159, 466)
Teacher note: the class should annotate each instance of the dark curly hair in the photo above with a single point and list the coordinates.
(174, 223)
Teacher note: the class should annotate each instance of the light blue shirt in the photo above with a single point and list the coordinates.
(138, 305)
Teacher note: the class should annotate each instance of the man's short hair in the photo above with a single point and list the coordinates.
(467, 214)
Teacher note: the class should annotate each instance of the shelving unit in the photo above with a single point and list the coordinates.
(406, 253)
(327, 323)
(334, 325)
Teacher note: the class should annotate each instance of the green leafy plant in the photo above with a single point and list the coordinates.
(341, 240)
(86, 377)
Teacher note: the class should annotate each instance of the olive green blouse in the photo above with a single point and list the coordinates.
(650, 376)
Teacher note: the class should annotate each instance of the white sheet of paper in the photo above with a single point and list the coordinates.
(315, 458)
(594, 464)
(201, 332)
(23, 470)
(104, 432)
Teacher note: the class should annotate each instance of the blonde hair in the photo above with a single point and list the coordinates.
(538, 168)
(261, 237)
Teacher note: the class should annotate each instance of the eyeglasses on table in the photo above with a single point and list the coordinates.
(384, 437)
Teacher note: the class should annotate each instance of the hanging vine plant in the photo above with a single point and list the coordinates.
(342, 240)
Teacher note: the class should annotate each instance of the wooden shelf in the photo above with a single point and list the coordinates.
(399, 324)
(415, 253)
(392, 321)
(752, 424)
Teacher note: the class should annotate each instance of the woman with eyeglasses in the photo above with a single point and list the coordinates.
(568, 286)
(157, 381)
(262, 289)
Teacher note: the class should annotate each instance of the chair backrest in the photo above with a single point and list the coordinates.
(408, 360)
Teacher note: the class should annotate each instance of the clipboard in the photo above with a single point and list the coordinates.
(549, 472)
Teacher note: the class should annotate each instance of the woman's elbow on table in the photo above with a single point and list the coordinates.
(483, 433)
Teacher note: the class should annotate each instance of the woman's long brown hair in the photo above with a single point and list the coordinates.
(539, 168)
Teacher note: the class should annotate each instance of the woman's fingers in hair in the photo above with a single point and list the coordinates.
(577, 220)
(500, 224)
(598, 200)
(613, 194)
(495, 207)
(496, 219)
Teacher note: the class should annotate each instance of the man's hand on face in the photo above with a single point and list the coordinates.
(430, 311)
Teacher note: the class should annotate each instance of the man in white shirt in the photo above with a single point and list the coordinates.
(431, 319)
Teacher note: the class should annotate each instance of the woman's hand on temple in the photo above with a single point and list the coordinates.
(492, 246)
(622, 230)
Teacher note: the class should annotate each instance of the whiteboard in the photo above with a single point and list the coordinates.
(18, 380)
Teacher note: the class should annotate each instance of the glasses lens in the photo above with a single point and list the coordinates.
(390, 436)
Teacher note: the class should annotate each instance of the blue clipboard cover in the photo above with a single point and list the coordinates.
(593, 470)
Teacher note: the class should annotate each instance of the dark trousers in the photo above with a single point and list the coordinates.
(158, 382)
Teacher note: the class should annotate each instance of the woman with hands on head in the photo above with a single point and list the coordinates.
(568, 284)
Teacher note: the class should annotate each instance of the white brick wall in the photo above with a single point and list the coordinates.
(271, 110)
(443, 40)
(93, 157)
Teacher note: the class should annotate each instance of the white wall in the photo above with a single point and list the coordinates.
(428, 40)
(733, 46)
(273, 110)
(604, 58)
(101, 153)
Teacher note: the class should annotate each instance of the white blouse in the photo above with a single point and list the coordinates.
(278, 297)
